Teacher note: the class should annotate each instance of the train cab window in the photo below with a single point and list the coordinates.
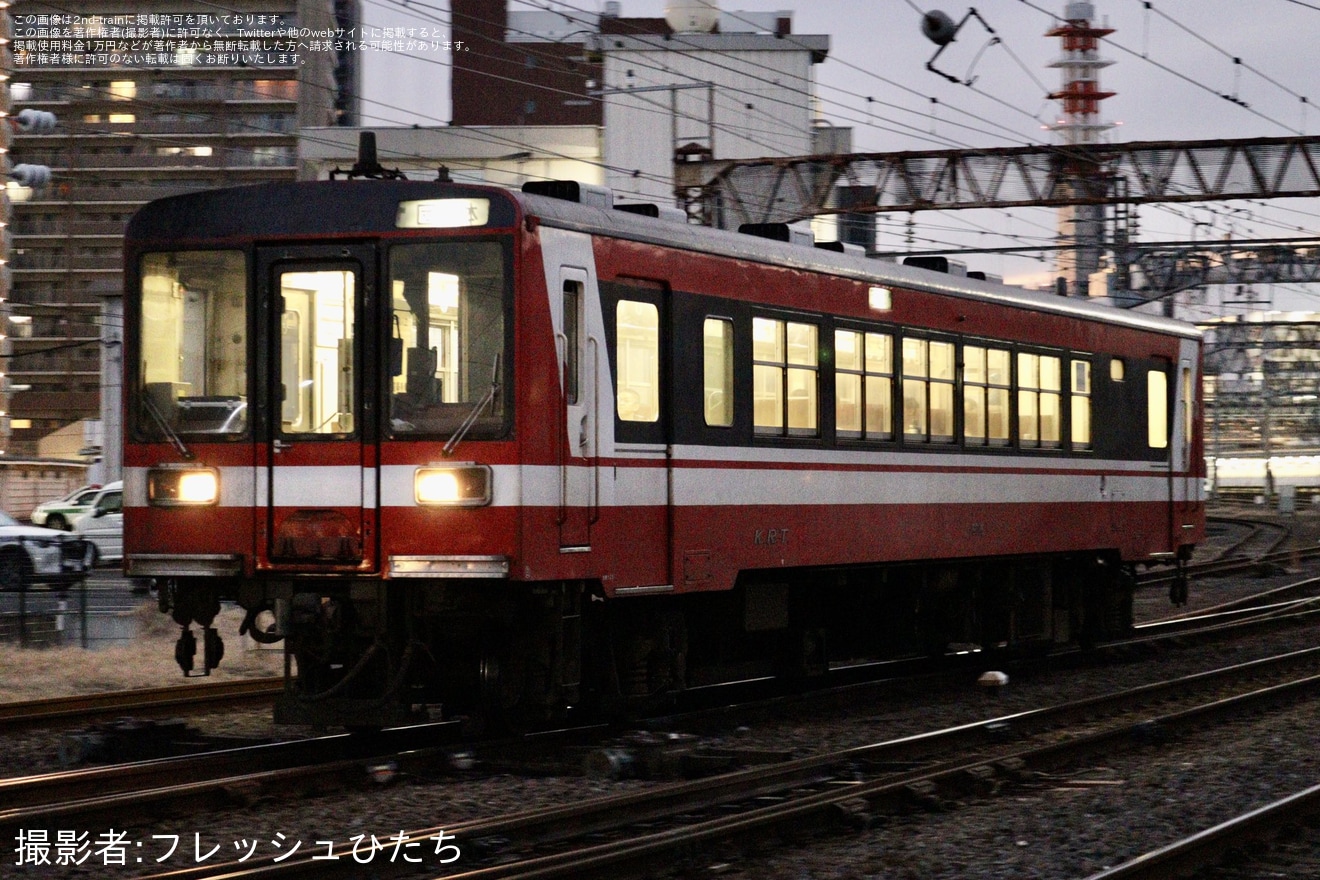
(1080, 386)
(1038, 400)
(987, 390)
(717, 370)
(1157, 409)
(193, 371)
(637, 331)
(864, 385)
(785, 366)
(447, 336)
(928, 386)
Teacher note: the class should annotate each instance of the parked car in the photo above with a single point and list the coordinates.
(103, 524)
(61, 513)
(34, 555)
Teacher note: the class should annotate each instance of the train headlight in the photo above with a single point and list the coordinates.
(457, 485)
(183, 487)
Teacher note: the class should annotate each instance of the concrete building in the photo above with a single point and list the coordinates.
(152, 98)
(742, 90)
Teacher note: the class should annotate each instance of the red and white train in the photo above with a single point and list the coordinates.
(517, 452)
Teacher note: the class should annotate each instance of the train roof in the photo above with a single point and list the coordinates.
(622, 224)
(364, 206)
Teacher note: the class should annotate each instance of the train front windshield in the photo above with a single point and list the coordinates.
(441, 326)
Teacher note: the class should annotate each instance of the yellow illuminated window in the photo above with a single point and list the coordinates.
(864, 384)
(784, 377)
(1039, 384)
(123, 90)
(928, 385)
(987, 389)
(1080, 371)
(122, 118)
(717, 371)
(637, 327)
(1157, 410)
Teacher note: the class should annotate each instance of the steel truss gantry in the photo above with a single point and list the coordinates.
(732, 192)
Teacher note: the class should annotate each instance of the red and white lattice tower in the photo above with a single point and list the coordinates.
(1081, 227)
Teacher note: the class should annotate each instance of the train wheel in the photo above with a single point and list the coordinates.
(502, 679)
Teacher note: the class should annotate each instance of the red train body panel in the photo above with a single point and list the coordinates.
(474, 448)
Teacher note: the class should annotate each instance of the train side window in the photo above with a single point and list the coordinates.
(717, 370)
(637, 330)
(572, 343)
(1080, 386)
(1157, 409)
(928, 386)
(1116, 371)
(987, 389)
(864, 385)
(785, 397)
(1039, 384)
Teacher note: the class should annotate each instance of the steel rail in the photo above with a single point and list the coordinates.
(601, 815)
(1205, 849)
(83, 707)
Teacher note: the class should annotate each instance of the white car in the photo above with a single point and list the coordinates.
(103, 524)
(33, 555)
(61, 513)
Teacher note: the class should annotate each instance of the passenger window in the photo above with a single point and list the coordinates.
(864, 385)
(1081, 404)
(717, 389)
(637, 331)
(784, 377)
(1039, 384)
(1157, 409)
(987, 387)
(928, 385)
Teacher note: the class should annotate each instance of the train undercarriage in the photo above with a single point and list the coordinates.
(370, 653)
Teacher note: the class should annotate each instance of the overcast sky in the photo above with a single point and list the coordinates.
(1173, 65)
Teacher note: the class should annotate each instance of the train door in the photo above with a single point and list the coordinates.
(1186, 491)
(580, 390)
(320, 479)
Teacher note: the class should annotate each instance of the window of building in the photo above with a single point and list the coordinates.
(717, 372)
(784, 377)
(637, 331)
(1080, 386)
(123, 90)
(864, 385)
(987, 393)
(1157, 409)
(928, 384)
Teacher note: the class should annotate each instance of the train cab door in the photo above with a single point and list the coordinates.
(320, 481)
(580, 392)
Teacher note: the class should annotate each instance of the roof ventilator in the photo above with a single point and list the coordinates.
(779, 232)
(572, 191)
(660, 212)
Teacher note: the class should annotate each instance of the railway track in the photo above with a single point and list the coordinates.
(852, 785)
(1279, 839)
(339, 761)
(145, 701)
